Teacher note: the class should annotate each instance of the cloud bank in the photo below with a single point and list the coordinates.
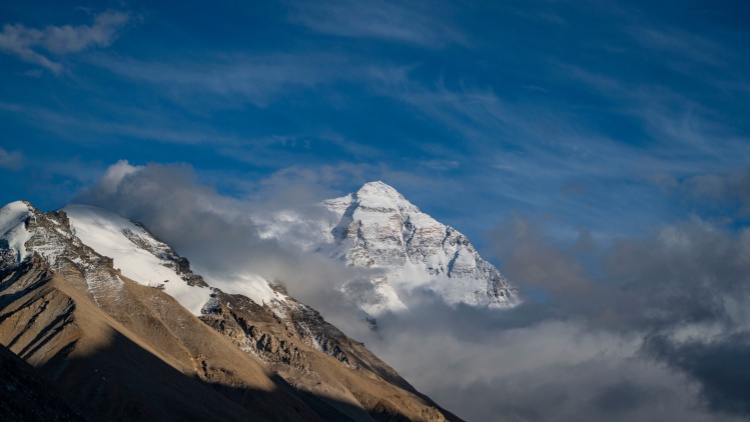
(217, 233)
(650, 328)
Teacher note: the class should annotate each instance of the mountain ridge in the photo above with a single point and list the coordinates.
(71, 311)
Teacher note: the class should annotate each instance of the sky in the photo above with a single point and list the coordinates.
(595, 151)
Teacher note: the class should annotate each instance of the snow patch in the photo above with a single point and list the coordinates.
(106, 232)
(249, 285)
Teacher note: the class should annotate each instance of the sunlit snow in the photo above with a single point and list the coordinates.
(104, 232)
(12, 229)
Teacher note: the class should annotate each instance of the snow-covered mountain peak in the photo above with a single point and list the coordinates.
(378, 196)
(372, 196)
(378, 229)
(380, 190)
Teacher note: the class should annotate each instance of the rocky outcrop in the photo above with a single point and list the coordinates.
(316, 358)
(165, 253)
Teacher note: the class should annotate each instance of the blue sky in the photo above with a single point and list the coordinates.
(611, 117)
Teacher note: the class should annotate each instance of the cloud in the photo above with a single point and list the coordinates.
(648, 328)
(685, 44)
(728, 191)
(681, 290)
(61, 40)
(257, 80)
(670, 120)
(483, 368)
(716, 365)
(299, 186)
(573, 188)
(416, 24)
(11, 160)
(262, 80)
(167, 199)
(640, 328)
(525, 154)
(147, 128)
(440, 165)
(217, 233)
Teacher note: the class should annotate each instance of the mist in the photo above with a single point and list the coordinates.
(216, 233)
(650, 328)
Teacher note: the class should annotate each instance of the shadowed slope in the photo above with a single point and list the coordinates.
(28, 396)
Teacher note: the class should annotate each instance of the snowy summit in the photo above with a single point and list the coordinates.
(378, 229)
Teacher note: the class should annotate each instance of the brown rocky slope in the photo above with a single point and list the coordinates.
(131, 352)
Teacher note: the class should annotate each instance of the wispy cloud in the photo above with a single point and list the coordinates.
(440, 165)
(511, 133)
(682, 133)
(259, 80)
(60, 40)
(11, 160)
(69, 126)
(412, 22)
(681, 43)
(526, 153)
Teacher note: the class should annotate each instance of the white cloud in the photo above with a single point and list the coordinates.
(11, 160)
(416, 24)
(681, 43)
(68, 126)
(593, 351)
(258, 80)
(60, 40)
(114, 175)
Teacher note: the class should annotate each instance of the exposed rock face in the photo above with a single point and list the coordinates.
(131, 351)
(168, 257)
(317, 358)
(377, 228)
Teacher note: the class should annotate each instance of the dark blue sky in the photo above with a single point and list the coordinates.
(611, 117)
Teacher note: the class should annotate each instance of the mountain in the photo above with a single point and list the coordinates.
(115, 317)
(400, 249)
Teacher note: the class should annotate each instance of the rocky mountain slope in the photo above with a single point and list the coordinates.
(25, 395)
(116, 317)
(402, 248)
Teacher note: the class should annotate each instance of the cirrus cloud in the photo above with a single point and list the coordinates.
(26, 43)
